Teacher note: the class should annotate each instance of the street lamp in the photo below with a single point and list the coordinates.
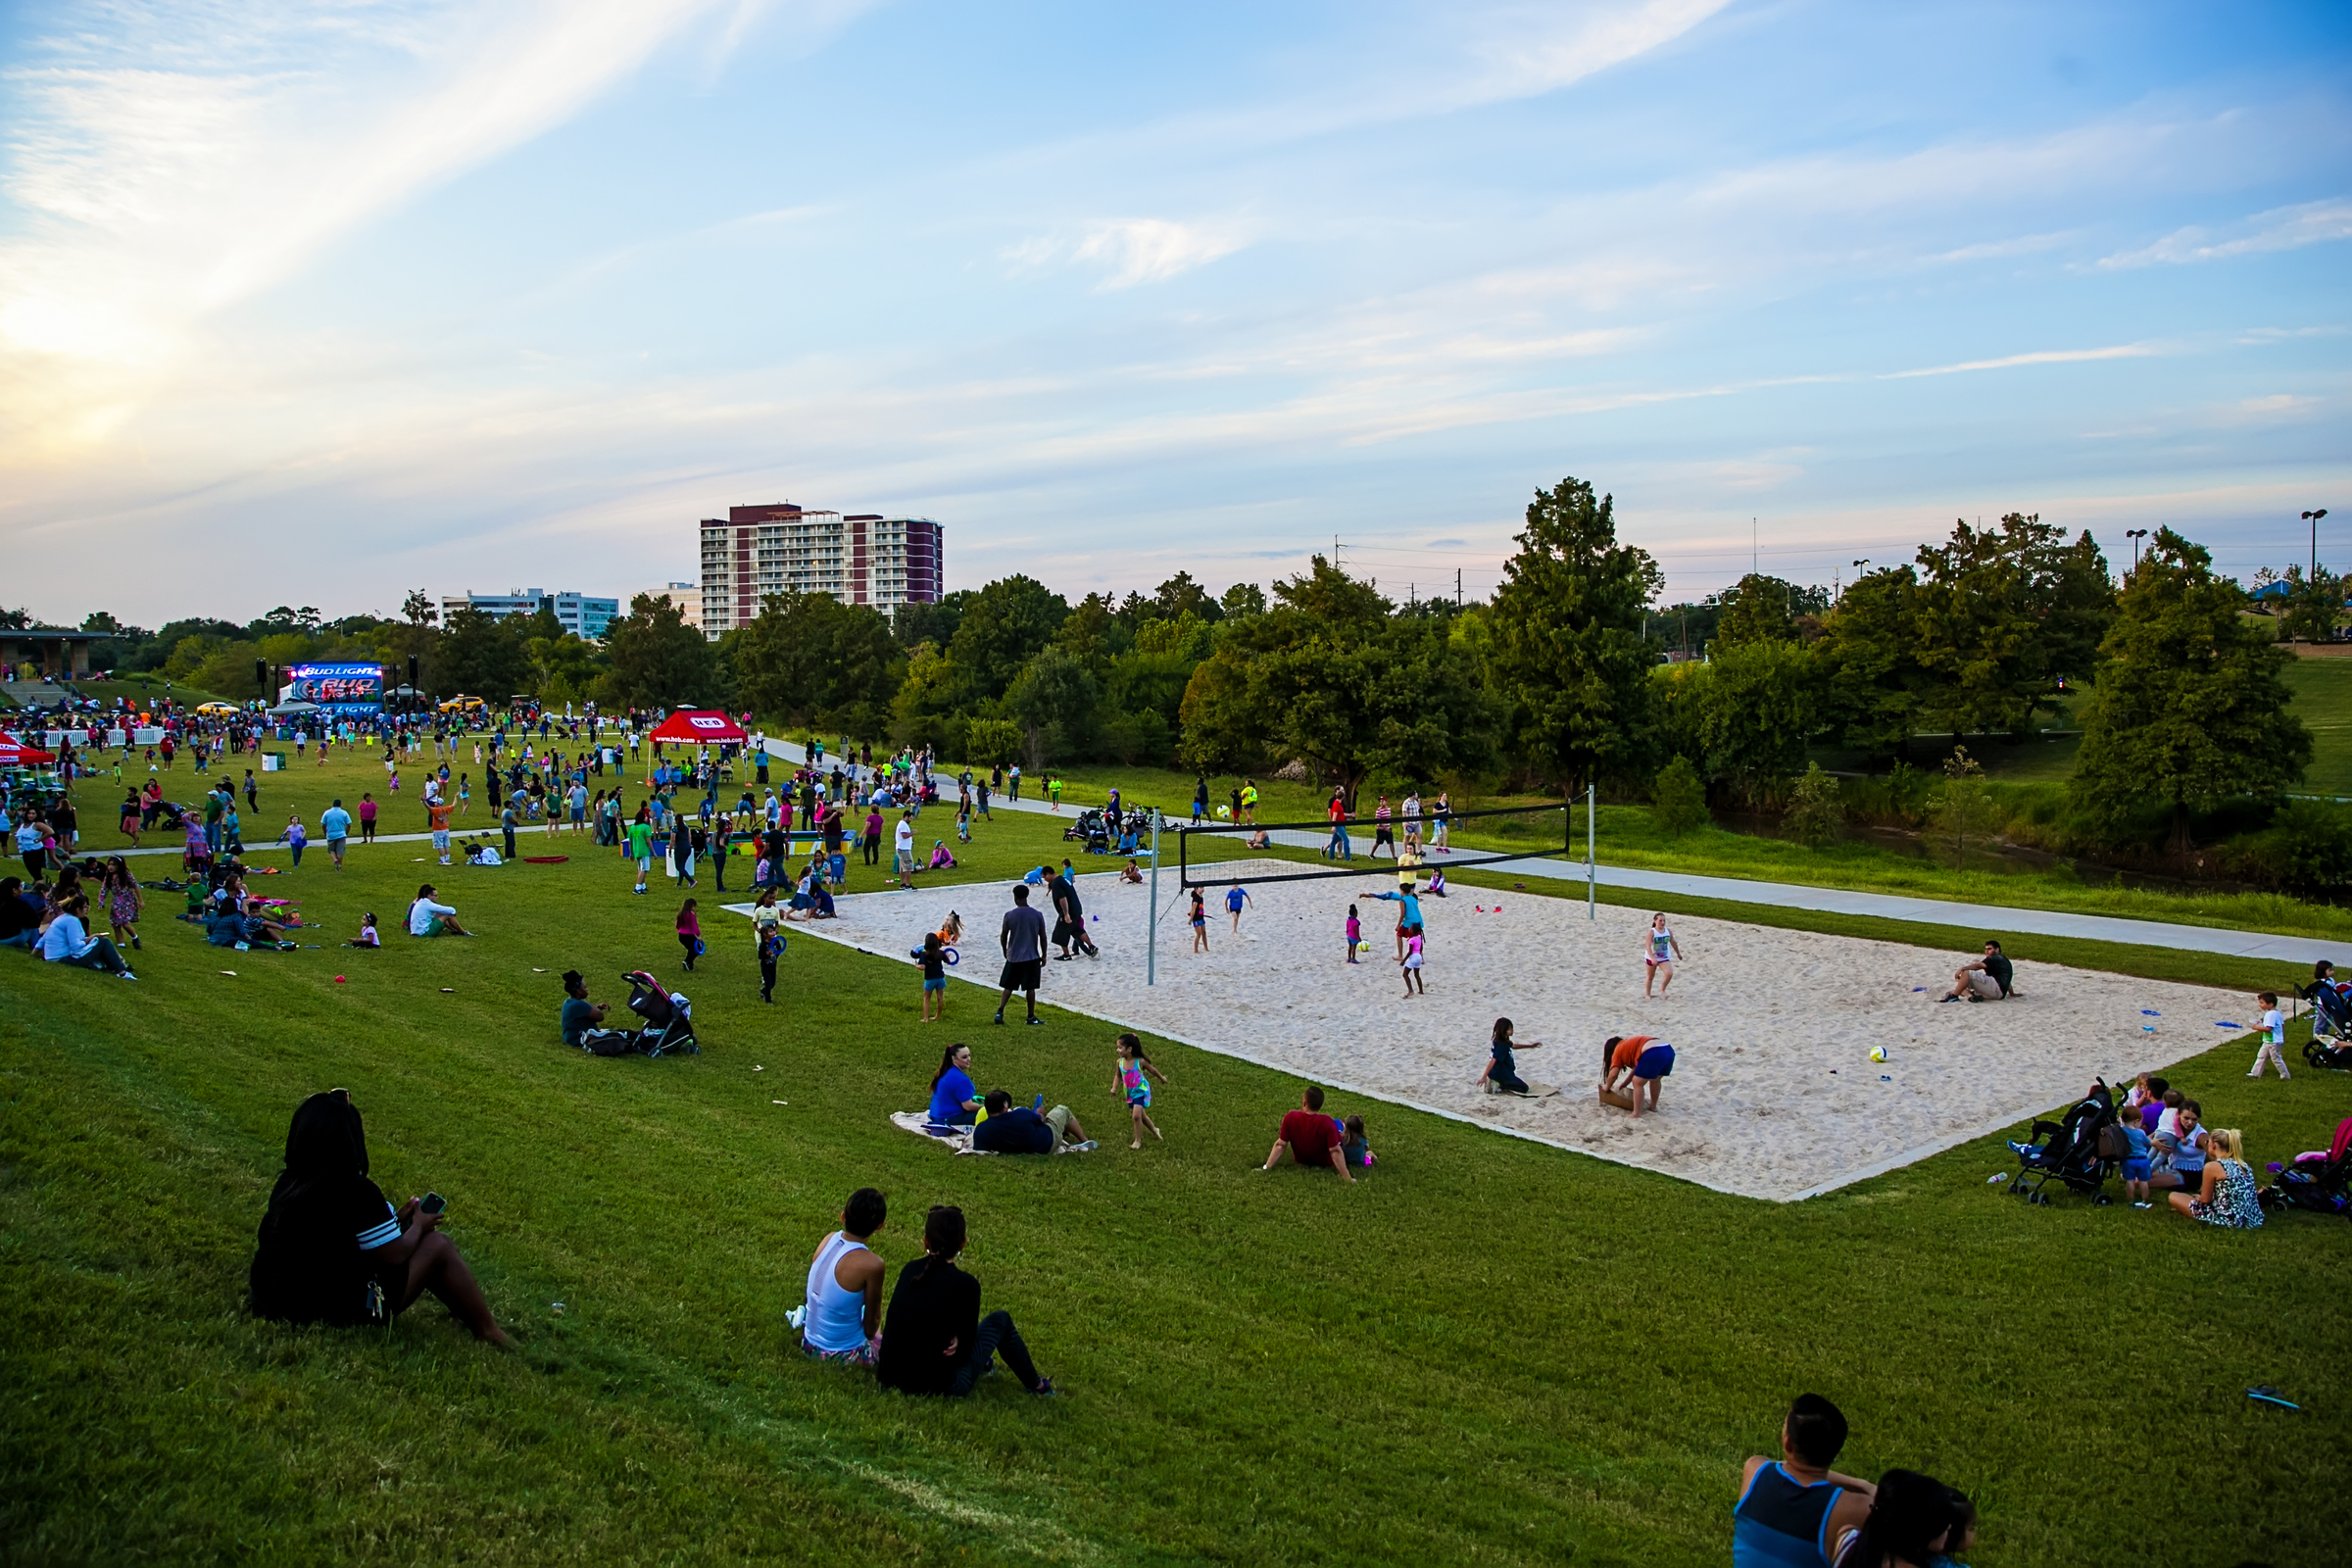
(2313, 518)
(2136, 535)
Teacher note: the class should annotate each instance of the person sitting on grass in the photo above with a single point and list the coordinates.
(19, 921)
(1792, 1509)
(1909, 1525)
(934, 1339)
(582, 1021)
(427, 918)
(841, 1321)
(368, 937)
(1632, 1068)
(1313, 1138)
(331, 1247)
(1011, 1129)
(1502, 1070)
(2226, 1193)
(260, 928)
(1986, 979)
(953, 1104)
(1354, 1148)
(68, 941)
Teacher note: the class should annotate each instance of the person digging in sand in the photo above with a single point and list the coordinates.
(1632, 1068)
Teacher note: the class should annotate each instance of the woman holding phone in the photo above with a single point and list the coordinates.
(332, 1250)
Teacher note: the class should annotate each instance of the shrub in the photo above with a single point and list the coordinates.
(1678, 800)
(1816, 813)
(2307, 849)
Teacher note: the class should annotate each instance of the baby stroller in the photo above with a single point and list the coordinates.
(2316, 1182)
(669, 1017)
(2070, 1151)
(2331, 1014)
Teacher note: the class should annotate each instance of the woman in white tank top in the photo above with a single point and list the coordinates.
(844, 1311)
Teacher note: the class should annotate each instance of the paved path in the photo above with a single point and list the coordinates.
(1993, 918)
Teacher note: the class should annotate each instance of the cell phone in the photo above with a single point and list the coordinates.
(432, 1203)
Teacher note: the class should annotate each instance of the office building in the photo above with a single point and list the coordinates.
(578, 613)
(687, 596)
(862, 559)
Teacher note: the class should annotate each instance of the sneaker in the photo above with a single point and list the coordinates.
(999, 1019)
(1087, 1148)
(1035, 1021)
(1045, 1389)
(2137, 1204)
(127, 975)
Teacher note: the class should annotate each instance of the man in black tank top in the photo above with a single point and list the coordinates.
(1792, 1512)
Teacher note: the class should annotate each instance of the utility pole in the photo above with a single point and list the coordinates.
(1592, 838)
(1756, 553)
(1152, 922)
(1457, 587)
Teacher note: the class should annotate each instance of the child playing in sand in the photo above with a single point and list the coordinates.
(1132, 875)
(1235, 898)
(1355, 933)
(368, 937)
(2274, 1036)
(1659, 950)
(1200, 919)
(1411, 964)
(1133, 1078)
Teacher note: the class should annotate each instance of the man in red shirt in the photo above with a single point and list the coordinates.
(1313, 1138)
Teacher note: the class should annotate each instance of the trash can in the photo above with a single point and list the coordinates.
(273, 761)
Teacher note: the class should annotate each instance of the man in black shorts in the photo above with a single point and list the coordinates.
(1069, 921)
(1023, 939)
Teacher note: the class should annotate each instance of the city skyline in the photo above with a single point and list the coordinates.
(340, 301)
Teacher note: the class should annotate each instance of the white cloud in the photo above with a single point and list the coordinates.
(2282, 228)
(2120, 351)
(1529, 50)
(1134, 250)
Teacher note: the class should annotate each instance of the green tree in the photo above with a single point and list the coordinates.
(482, 654)
(991, 741)
(658, 659)
(1332, 678)
(2001, 615)
(1965, 809)
(808, 658)
(1054, 701)
(1755, 713)
(1872, 680)
(419, 609)
(2189, 705)
(2314, 605)
(1241, 601)
(1816, 814)
(1002, 629)
(1566, 651)
(1678, 799)
(935, 624)
(1757, 609)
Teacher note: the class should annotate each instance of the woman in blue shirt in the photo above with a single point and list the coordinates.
(952, 1103)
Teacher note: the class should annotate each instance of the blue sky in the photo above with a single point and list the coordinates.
(315, 302)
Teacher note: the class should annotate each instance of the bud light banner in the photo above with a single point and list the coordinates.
(346, 690)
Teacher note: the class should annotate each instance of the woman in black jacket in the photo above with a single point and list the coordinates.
(333, 1250)
(934, 1339)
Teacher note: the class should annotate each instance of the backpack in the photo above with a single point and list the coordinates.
(2113, 1145)
(609, 1042)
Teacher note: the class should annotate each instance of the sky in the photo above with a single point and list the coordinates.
(315, 302)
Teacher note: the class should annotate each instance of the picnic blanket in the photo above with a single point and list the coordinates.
(957, 1138)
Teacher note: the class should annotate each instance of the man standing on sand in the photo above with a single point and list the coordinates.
(1023, 939)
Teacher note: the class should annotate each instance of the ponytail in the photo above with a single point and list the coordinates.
(946, 1061)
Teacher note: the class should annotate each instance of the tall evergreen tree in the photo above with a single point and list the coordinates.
(1565, 651)
(2189, 705)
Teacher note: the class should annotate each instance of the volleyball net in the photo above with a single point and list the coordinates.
(1213, 854)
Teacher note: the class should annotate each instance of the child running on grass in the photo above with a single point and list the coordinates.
(690, 933)
(1355, 933)
(1134, 1078)
(2274, 1036)
(935, 978)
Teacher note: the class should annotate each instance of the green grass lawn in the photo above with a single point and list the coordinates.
(1487, 1352)
(2323, 689)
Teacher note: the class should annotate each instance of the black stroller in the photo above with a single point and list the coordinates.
(2331, 1014)
(669, 1017)
(2079, 1152)
(2315, 1184)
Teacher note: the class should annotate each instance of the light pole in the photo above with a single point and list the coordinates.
(2313, 518)
(1860, 566)
(2136, 535)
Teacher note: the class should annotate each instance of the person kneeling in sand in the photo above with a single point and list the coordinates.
(1632, 1068)
(1988, 979)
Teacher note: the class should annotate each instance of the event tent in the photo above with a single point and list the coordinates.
(699, 725)
(14, 752)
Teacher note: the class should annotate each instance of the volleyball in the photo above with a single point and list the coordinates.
(1878, 1053)
(1224, 812)
(1363, 946)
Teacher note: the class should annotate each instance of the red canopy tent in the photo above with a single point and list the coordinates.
(690, 726)
(15, 752)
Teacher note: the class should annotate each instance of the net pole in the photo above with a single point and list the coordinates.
(1592, 842)
(1151, 929)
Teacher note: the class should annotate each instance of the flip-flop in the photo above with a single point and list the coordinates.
(2267, 1394)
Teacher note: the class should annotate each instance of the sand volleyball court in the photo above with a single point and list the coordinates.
(1774, 1093)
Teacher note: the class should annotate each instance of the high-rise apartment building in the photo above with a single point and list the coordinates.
(578, 613)
(862, 558)
(687, 596)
